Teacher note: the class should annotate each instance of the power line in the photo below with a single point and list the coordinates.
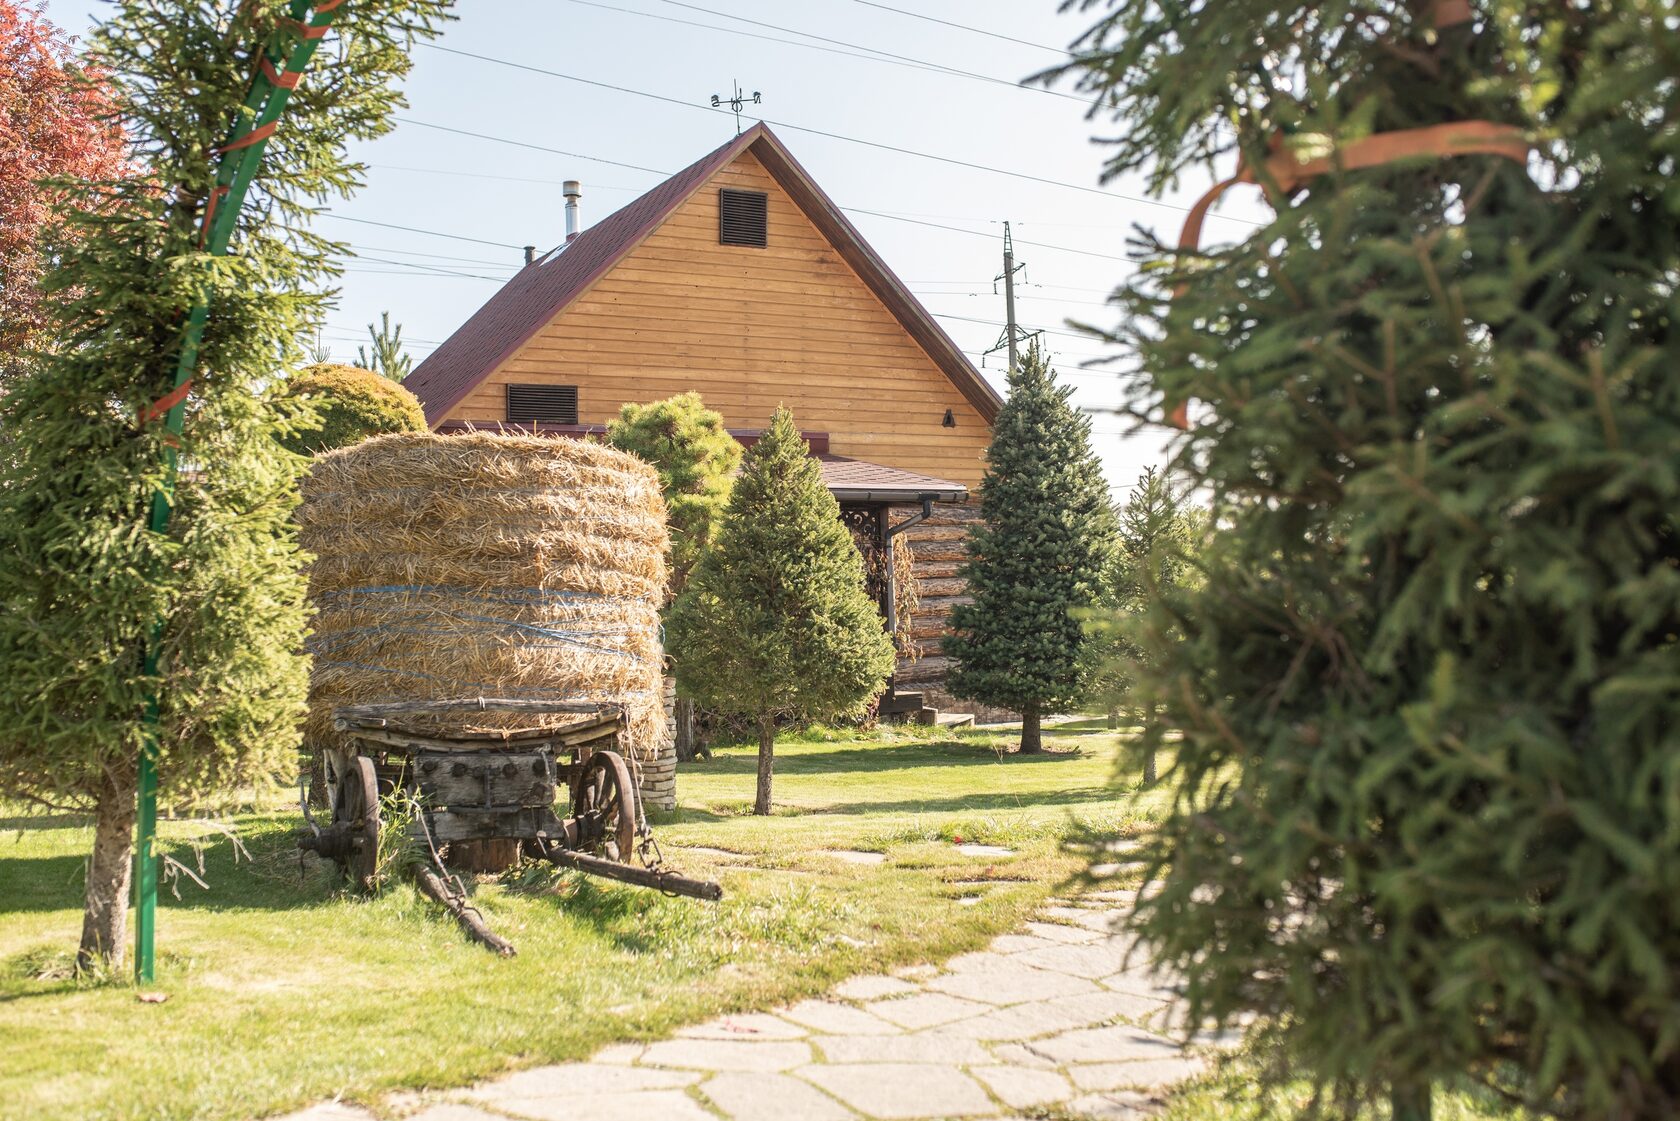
(914, 219)
(920, 63)
(416, 230)
(410, 339)
(357, 248)
(520, 143)
(502, 178)
(412, 275)
(1025, 326)
(847, 209)
(987, 235)
(952, 161)
(962, 26)
(434, 270)
(875, 55)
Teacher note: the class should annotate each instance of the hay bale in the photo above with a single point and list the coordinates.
(485, 565)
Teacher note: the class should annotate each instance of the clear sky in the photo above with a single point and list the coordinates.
(501, 196)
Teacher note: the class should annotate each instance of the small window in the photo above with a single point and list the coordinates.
(542, 404)
(742, 218)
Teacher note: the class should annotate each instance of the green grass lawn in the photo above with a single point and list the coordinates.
(282, 990)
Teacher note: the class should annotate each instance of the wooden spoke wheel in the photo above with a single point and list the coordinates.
(356, 807)
(605, 808)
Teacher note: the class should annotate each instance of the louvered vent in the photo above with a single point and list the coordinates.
(542, 404)
(742, 218)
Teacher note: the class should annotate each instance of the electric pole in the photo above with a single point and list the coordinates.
(1012, 333)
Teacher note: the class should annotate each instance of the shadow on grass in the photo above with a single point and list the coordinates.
(941, 753)
(27, 822)
(265, 878)
(971, 802)
(41, 883)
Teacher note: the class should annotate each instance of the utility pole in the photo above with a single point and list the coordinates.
(1012, 333)
(1009, 292)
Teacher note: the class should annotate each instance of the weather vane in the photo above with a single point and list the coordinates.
(736, 102)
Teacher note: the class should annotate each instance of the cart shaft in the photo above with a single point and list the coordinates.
(668, 882)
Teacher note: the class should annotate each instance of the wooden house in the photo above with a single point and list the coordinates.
(739, 278)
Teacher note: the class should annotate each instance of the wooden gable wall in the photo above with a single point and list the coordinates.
(749, 328)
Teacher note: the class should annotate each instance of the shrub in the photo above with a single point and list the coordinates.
(348, 404)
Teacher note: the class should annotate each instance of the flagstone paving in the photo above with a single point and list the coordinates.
(1058, 1016)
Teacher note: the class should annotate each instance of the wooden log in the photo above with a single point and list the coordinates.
(469, 918)
(669, 882)
(935, 668)
(936, 533)
(592, 732)
(397, 710)
(925, 551)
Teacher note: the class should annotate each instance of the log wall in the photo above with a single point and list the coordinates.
(939, 546)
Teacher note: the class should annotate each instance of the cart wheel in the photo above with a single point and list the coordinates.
(356, 804)
(605, 808)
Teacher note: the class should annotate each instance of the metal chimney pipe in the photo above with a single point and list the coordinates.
(530, 254)
(573, 191)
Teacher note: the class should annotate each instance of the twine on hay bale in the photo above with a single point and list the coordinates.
(485, 565)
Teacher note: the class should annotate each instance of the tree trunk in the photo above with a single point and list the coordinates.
(1412, 1102)
(684, 741)
(1032, 740)
(1113, 718)
(766, 763)
(1149, 769)
(109, 874)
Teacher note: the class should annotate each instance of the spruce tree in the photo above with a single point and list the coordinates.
(1426, 820)
(1036, 559)
(84, 579)
(1152, 552)
(776, 623)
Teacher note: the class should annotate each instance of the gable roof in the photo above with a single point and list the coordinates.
(541, 291)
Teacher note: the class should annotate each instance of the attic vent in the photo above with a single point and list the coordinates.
(542, 404)
(742, 217)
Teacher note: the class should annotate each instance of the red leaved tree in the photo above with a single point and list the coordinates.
(55, 123)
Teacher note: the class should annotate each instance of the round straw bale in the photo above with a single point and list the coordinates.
(485, 565)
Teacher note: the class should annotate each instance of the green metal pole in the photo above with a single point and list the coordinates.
(282, 61)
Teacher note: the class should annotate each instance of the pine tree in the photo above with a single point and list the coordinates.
(1036, 559)
(385, 354)
(775, 623)
(84, 578)
(1426, 821)
(1151, 554)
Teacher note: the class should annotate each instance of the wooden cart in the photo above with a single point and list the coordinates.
(462, 781)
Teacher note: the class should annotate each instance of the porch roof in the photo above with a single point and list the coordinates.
(858, 480)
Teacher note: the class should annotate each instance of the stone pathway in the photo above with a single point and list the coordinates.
(1050, 1017)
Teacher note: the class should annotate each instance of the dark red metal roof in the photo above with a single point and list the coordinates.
(539, 292)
